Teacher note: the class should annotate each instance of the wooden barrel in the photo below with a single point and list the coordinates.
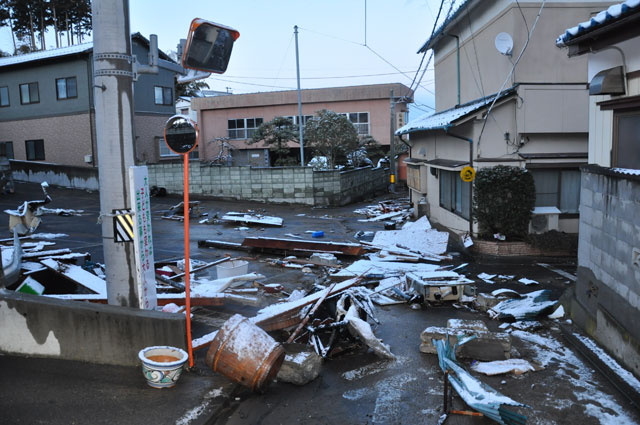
(245, 353)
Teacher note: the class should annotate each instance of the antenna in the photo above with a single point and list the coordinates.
(504, 43)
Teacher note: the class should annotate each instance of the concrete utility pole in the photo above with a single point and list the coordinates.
(113, 94)
(392, 148)
(300, 123)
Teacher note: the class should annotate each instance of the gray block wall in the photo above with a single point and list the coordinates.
(607, 294)
(294, 185)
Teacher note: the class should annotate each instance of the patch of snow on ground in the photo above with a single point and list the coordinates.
(355, 394)
(361, 372)
(389, 401)
(598, 404)
(193, 414)
(48, 235)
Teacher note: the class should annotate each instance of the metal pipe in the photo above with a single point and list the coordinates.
(458, 62)
(300, 123)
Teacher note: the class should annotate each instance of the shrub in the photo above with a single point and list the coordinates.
(503, 199)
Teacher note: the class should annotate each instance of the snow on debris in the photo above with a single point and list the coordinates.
(526, 281)
(571, 369)
(418, 237)
(628, 171)
(498, 367)
(48, 235)
(613, 12)
(384, 268)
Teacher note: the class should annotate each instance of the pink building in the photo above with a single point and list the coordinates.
(236, 117)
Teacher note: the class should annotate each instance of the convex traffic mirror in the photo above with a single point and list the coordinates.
(208, 46)
(180, 134)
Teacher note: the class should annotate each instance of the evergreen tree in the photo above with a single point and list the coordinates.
(331, 135)
(276, 134)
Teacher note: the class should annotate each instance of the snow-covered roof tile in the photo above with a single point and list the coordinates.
(614, 12)
(440, 30)
(46, 54)
(443, 120)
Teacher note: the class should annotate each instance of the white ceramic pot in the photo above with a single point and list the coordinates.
(162, 365)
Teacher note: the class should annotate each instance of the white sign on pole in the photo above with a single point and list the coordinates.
(143, 240)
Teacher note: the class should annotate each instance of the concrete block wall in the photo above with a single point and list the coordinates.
(607, 295)
(72, 330)
(295, 185)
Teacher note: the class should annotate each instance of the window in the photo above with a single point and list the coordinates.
(6, 149)
(626, 140)
(4, 96)
(294, 118)
(29, 93)
(165, 152)
(163, 95)
(557, 188)
(35, 150)
(454, 193)
(243, 128)
(66, 88)
(360, 121)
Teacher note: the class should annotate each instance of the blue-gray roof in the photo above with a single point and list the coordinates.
(445, 119)
(440, 31)
(613, 13)
(46, 54)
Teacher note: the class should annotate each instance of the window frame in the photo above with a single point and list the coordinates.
(3, 146)
(559, 188)
(617, 114)
(357, 124)
(66, 88)
(29, 85)
(8, 97)
(164, 97)
(244, 132)
(35, 149)
(457, 193)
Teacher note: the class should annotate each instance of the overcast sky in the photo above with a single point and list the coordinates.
(331, 40)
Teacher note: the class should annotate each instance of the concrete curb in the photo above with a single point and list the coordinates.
(628, 391)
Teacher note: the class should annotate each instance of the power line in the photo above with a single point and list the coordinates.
(529, 34)
(394, 67)
(334, 77)
(435, 22)
(283, 58)
(332, 36)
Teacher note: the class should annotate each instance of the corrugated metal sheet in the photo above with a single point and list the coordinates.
(613, 13)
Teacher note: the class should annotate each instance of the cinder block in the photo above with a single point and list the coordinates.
(486, 346)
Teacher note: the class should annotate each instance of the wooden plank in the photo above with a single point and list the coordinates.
(78, 275)
(304, 246)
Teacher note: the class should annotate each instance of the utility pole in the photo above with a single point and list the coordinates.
(392, 149)
(300, 123)
(113, 97)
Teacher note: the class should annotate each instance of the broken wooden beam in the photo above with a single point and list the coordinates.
(298, 245)
(210, 243)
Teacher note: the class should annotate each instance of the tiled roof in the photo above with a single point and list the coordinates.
(613, 13)
(444, 120)
(46, 54)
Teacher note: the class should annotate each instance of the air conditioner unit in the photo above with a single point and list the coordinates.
(544, 219)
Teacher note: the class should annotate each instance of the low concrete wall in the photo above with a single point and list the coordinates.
(44, 327)
(294, 185)
(287, 185)
(57, 175)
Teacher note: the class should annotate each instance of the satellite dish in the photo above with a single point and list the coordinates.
(504, 43)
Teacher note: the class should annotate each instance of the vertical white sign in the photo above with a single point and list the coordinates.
(143, 240)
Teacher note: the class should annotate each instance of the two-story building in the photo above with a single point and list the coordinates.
(47, 110)
(236, 117)
(504, 95)
(606, 300)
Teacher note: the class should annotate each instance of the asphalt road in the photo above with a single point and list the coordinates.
(356, 388)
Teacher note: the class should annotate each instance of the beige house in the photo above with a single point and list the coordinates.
(235, 118)
(534, 117)
(606, 301)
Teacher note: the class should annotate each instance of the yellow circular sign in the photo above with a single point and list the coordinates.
(467, 174)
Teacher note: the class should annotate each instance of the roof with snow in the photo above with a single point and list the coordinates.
(614, 13)
(445, 119)
(68, 51)
(439, 33)
(46, 54)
